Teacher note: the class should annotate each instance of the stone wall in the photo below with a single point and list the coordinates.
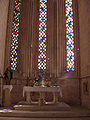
(27, 60)
(3, 26)
(56, 60)
(17, 90)
(70, 88)
(68, 80)
(84, 23)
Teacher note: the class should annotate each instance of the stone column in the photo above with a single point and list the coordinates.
(31, 39)
(60, 37)
(50, 37)
(55, 38)
(35, 38)
(7, 95)
(25, 46)
(67, 80)
(3, 30)
(84, 23)
(4, 5)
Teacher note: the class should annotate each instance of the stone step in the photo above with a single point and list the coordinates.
(47, 107)
(45, 114)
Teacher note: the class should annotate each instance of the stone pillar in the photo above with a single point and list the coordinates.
(50, 46)
(28, 35)
(28, 99)
(60, 37)
(7, 95)
(3, 28)
(30, 38)
(35, 38)
(84, 23)
(1, 89)
(23, 56)
(67, 80)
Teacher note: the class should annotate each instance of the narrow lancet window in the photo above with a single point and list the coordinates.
(69, 35)
(42, 35)
(15, 34)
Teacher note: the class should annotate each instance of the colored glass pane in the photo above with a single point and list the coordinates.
(42, 35)
(15, 35)
(69, 35)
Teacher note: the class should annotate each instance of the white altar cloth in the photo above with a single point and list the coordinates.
(42, 89)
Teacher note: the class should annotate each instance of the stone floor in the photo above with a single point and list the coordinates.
(76, 113)
(13, 118)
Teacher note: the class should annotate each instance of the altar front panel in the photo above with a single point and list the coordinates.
(42, 90)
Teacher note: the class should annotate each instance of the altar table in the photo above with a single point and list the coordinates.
(42, 90)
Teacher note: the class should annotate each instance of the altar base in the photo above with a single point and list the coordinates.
(47, 107)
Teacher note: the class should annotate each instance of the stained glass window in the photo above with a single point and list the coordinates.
(69, 35)
(42, 35)
(15, 34)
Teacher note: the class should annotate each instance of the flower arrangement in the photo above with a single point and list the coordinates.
(42, 79)
(42, 83)
(48, 83)
(35, 82)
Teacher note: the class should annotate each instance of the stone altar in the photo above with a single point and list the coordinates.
(42, 90)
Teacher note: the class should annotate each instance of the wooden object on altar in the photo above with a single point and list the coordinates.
(41, 102)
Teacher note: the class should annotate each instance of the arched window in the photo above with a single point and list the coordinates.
(69, 35)
(42, 35)
(15, 34)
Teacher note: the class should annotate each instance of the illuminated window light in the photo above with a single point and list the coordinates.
(69, 36)
(42, 35)
(15, 34)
